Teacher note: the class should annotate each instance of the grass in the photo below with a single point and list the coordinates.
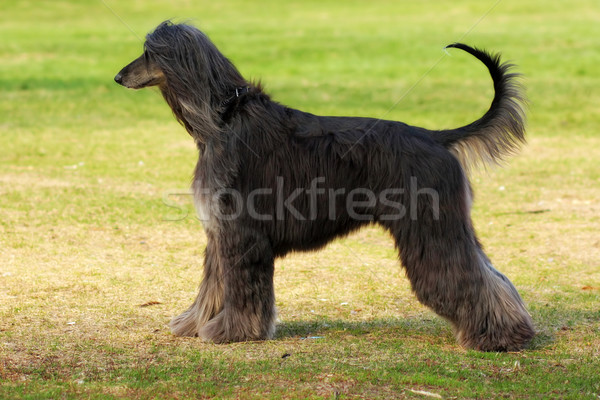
(93, 263)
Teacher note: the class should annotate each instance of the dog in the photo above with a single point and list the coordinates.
(271, 179)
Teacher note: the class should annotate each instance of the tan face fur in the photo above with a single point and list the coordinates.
(140, 73)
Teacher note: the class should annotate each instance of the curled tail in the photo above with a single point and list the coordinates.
(501, 130)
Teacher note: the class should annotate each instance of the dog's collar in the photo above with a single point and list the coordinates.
(240, 90)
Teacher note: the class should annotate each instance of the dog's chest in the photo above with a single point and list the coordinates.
(203, 196)
(211, 182)
(202, 204)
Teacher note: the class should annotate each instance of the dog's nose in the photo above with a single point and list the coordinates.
(119, 79)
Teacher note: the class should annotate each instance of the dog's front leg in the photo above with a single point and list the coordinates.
(248, 307)
(210, 295)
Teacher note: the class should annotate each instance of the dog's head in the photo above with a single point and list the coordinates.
(181, 56)
(174, 52)
(140, 73)
(193, 76)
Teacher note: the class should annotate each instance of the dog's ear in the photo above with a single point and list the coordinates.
(140, 73)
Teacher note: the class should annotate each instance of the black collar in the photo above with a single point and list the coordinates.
(239, 91)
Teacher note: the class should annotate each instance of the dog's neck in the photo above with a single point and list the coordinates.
(203, 120)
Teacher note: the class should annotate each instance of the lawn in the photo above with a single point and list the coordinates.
(99, 246)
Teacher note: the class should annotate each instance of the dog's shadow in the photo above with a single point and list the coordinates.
(433, 328)
(550, 325)
(555, 323)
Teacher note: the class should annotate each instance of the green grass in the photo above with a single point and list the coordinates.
(87, 169)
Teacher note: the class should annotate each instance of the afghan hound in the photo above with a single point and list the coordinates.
(271, 179)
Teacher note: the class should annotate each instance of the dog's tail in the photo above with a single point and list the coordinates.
(501, 130)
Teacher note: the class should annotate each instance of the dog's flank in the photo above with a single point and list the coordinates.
(247, 142)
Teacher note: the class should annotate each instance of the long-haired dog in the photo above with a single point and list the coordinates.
(271, 179)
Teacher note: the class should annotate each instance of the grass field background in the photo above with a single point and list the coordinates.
(94, 262)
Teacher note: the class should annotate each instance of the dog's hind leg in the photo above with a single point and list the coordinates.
(248, 311)
(449, 271)
(210, 296)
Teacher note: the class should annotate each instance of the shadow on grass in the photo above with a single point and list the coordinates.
(400, 327)
(550, 322)
(554, 320)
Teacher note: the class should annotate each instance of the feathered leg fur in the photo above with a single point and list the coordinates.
(209, 301)
(450, 273)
